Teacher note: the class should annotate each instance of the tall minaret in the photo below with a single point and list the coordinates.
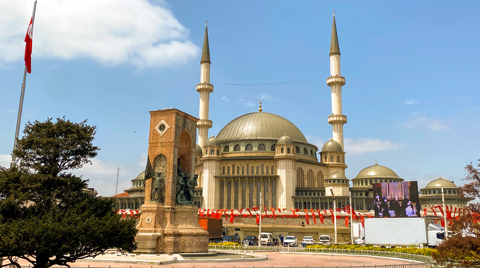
(336, 81)
(204, 88)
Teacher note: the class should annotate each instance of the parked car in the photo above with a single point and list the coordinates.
(308, 240)
(250, 241)
(324, 240)
(360, 241)
(290, 241)
(266, 239)
(231, 238)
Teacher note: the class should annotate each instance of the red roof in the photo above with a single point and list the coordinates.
(124, 194)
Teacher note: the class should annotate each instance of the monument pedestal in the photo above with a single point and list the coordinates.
(183, 235)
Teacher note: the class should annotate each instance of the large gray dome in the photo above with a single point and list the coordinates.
(260, 126)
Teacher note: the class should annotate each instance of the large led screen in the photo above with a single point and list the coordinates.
(396, 199)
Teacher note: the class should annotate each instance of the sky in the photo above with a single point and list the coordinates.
(412, 73)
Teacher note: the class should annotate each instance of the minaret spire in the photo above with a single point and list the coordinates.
(206, 48)
(204, 88)
(336, 81)
(334, 47)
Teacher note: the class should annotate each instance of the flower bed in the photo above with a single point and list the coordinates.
(409, 250)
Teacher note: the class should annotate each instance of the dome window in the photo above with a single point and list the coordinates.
(236, 148)
(282, 150)
(325, 159)
(218, 152)
(311, 152)
(297, 149)
(261, 147)
(338, 159)
(249, 147)
(288, 150)
(212, 152)
(226, 149)
(273, 147)
(331, 158)
(305, 151)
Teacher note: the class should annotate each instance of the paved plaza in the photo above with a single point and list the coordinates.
(275, 259)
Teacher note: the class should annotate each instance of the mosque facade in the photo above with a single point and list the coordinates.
(261, 159)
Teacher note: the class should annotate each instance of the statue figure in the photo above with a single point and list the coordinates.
(181, 200)
(192, 182)
(158, 186)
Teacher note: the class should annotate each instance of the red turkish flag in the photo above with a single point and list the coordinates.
(28, 47)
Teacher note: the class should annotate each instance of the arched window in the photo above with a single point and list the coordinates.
(228, 170)
(226, 149)
(238, 170)
(297, 149)
(223, 171)
(331, 158)
(233, 169)
(243, 170)
(281, 151)
(272, 148)
(248, 168)
(258, 170)
(338, 159)
(300, 176)
(262, 169)
(212, 152)
(206, 152)
(325, 159)
(310, 178)
(253, 170)
(218, 152)
(272, 171)
(266, 171)
(261, 147)
(305, 151)
(249, 147)
(311, 152)
(236, 148)
(288, 150)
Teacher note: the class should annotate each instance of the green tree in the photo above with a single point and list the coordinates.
(45, 217)
(463, 248)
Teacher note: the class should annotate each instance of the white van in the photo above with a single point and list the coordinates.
(266, 239)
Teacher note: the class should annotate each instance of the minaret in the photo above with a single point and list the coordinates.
(204, 88)
(336, 81)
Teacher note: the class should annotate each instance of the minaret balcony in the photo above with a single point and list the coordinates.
(202, 123)
(335, 80)
(337, 118)
(204, 87)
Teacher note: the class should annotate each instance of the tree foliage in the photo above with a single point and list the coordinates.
(463, 248)
(45, 216)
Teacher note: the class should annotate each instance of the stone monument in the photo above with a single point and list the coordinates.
(169, 221)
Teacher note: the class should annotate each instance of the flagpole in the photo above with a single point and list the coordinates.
(22, 94)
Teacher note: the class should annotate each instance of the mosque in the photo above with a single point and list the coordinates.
(263, 158)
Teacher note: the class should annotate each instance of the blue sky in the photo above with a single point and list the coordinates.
(411, 68)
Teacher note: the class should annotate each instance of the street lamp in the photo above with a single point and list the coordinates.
(351, 218)
(444, 215)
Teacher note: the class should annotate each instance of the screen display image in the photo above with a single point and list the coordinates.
(396, 199)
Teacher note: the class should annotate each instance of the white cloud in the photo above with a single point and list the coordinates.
(411, 101)
(368, 145)
(249, 103)
(5, 160)
(143, 161)
(225, 99)
(432, 124)
(110, 32)
(265, 96)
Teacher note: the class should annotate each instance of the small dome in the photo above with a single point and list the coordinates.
(198, 150)
(377, 171)
(332, 146)
(140, 176)
(440, 183)
(212, 141)
(336, 176)
(285, 139)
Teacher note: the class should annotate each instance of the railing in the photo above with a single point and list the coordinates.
(388, 254)
(240, 247)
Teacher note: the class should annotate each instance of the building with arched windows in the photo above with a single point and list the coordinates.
(262, 159)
